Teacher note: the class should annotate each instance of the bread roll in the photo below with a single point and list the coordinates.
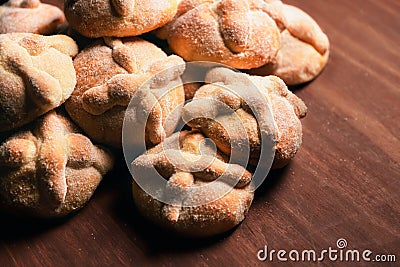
(237, 33)
(36, 76)
(29, 16)
(119, 18)
(49, 169)
(215, 212)
(112, 72)
(231, 89)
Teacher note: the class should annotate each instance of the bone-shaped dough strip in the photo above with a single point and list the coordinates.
(122, 54)
(82, 154)
(53, 160)
(273, 8)
(119, 90)
(17, 152)
(233, 15)
(239, 85)
(24, 3)
(166, 70)
(276, 86)
(175, 191)
(211, 167)
(124, 7)
(149, 112)
(100, 99)
(303, 27)
(247, 88)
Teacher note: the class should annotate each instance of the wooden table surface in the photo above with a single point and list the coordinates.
(343, 183)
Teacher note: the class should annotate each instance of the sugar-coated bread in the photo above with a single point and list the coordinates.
(187, 183)
(304, 49)
(30, 16)
(49, 169)
(267, 94)
(36, 76)
(243, 34)
(112, 72)
(118, 18)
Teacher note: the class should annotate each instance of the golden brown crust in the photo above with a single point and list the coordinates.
(185, 187)
(304, 49)
(29, 16)
(110, 73)
(119, 18)
(285, 129)
(36, 75)
(50, 169)
(240, 34)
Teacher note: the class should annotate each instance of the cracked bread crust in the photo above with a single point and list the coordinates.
(208, 219)
(110, 73)
(29, 16)
(240, 34)
(36, 76)
(119, 18)
(50, 169)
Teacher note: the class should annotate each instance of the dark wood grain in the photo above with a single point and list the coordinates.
(343, 183)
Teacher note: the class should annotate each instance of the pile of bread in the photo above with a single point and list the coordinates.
(48, 88)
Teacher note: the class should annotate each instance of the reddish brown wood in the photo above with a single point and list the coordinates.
(344, 182)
